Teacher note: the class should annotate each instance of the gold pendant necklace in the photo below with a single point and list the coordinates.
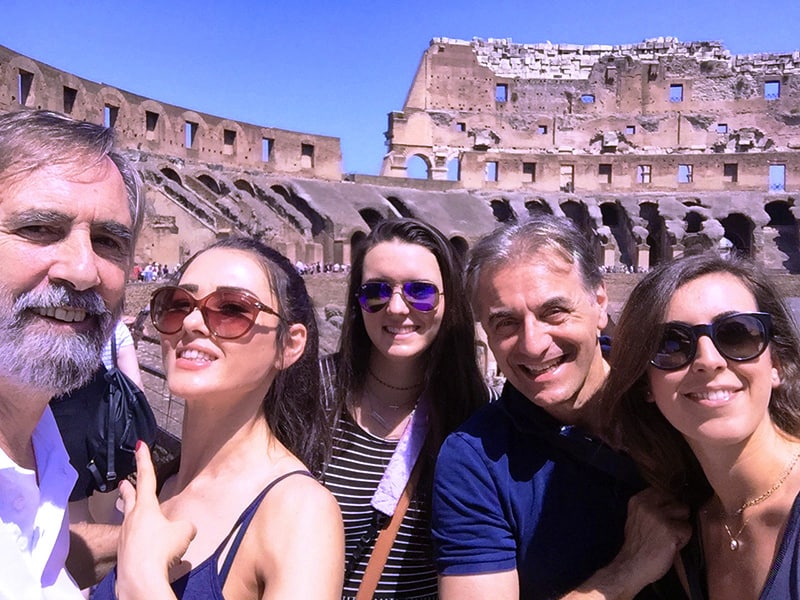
(735, 542)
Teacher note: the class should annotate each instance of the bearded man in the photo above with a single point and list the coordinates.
(70, 209)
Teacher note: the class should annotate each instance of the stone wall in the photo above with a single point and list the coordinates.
(151, 126)
(647, 179)
(501, 115)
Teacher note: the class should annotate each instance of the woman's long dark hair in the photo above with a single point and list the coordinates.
(636, 425)
(452, 378)
(292, 406)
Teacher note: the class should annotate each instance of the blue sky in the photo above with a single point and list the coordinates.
(338, 67)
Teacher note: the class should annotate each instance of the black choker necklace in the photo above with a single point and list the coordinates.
(393, 387)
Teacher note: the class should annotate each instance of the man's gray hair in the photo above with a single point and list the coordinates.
(517, 242)
(34, 139)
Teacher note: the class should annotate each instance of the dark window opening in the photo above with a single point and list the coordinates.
(307, 156)
(604, 173)
(461, 126)
(529, 171)
(542, 129)
(630, 130)
(24, 84)
(70, 95)
(228, 141)
(150, 124)
(722, 128)
(731, 172)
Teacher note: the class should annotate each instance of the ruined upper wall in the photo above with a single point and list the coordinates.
(573, 61)
(496, 114)
(152, 126)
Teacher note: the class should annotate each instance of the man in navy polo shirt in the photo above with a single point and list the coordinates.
(527, 502)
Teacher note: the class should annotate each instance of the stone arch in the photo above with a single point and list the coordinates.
(503, 211)
(695, 241)
(172, 175)
(538, 207)
(200, 134)
(371, 217)
(400, 206)
(316, 220)
(694, 222)
(241, 184)
(578, 213)
(787, 241)
(739, 230)
(616, 220)
(209, 182)
(418, 166)
(113, 97)
(75, 105)
(657, 235)
(460, 245)
(36, 92)
(157, 135)
(240, 135)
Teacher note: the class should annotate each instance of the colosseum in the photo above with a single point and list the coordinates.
(655, 149)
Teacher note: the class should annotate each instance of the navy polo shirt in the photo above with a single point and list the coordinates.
(514, 488)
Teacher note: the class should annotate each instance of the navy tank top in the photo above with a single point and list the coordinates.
(204, 582)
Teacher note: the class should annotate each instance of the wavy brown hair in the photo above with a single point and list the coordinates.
(636, 425)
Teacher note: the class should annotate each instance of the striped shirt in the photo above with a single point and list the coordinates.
(359, 460)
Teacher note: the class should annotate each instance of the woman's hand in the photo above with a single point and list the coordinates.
(149, 543)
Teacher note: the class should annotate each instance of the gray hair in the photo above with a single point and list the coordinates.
(517, 242)
(35, 139)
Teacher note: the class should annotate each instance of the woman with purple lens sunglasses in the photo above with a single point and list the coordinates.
(404, 377)
(241, 511)
(704, 393)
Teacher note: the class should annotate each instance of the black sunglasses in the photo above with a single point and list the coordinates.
(228, 314)
(374, 296)
(738, 336)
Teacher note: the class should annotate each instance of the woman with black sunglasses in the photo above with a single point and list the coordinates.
(243, 517)
(704, 393)
(404, 377)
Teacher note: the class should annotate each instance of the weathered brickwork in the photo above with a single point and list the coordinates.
(679, 145)
(655, 149)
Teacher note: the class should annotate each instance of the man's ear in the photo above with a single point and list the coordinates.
(294, 343)
(601, 297)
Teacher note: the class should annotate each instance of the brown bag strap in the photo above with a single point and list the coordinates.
(383, 544)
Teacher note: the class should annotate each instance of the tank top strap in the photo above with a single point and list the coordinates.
(243, 522)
